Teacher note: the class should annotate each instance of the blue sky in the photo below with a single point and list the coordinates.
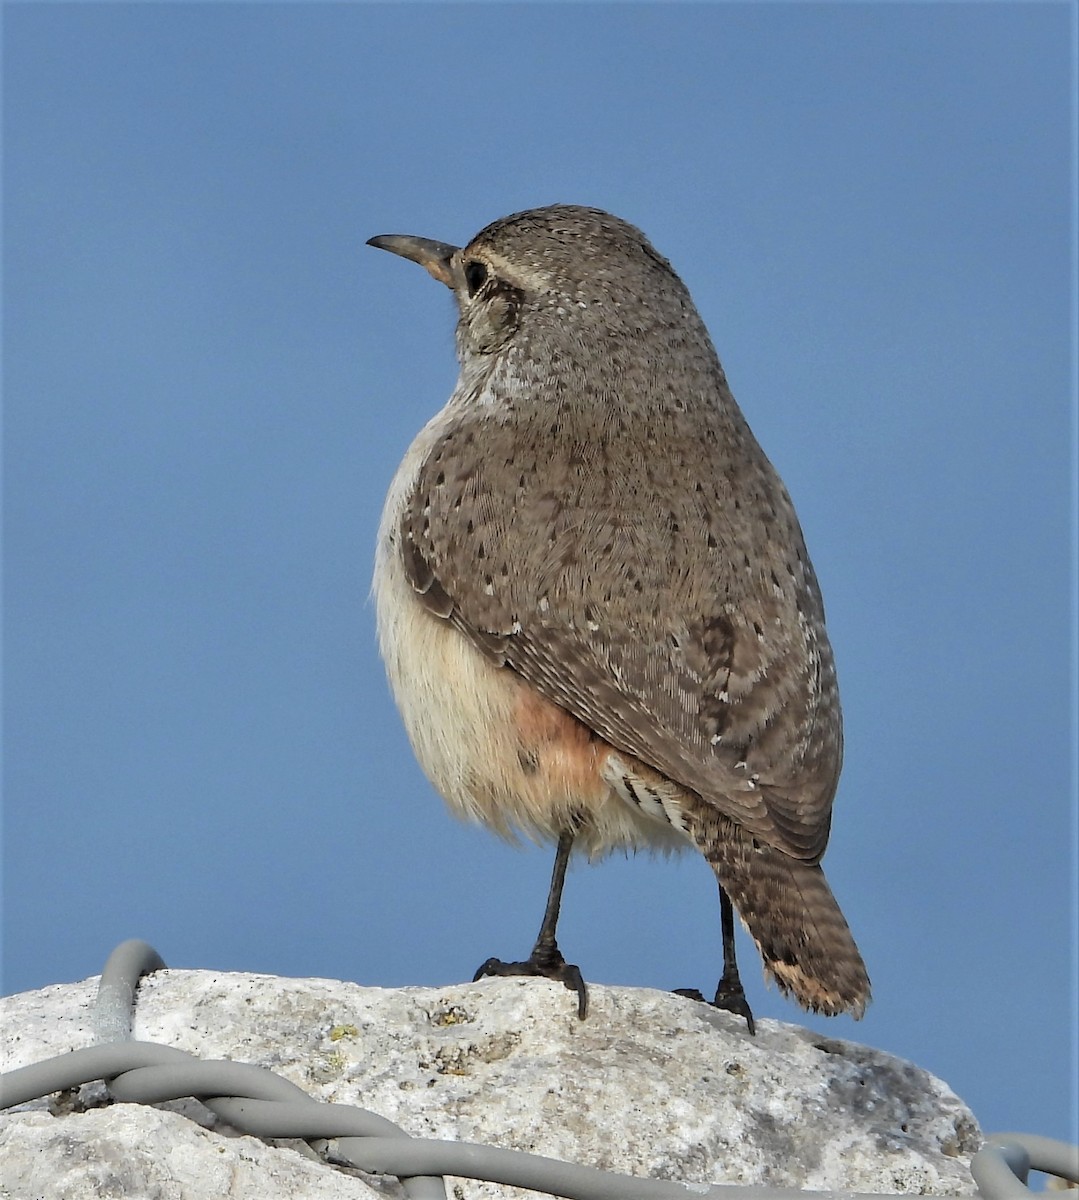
(209, 381)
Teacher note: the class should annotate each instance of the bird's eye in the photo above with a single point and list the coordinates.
(475, 276)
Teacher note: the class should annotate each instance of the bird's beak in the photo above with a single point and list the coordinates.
(434, 257)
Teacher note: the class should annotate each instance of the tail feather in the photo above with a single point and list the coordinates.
(789, 910)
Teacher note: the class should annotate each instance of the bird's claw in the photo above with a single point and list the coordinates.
(729, 998)
(547, 966)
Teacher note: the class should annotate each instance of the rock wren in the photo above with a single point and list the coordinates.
(595, 605)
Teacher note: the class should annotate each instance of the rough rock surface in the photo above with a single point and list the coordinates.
(651, 1084)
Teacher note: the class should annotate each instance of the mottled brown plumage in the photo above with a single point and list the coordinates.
(595, 602)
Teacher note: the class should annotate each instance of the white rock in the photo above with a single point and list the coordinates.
(650, 1084)
(132, 1151)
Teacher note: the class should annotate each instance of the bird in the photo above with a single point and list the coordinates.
(594, 602)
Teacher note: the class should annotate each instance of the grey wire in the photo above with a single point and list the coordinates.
(259, 1102)
(115, 1000)
(150, 1078)
(1001, 1166)
(467, 1160)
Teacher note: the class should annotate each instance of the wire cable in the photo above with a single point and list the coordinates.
(1001, 1166)
(263, 1104)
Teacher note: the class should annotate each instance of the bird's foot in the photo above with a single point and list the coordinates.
(732, 998)
(729, 997)
(547, 963)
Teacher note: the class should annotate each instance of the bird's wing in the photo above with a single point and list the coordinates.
(689, 639)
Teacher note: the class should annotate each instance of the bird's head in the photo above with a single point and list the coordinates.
(564, 274)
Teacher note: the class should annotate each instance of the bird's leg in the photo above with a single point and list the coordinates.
(730, 995)
(546, 958)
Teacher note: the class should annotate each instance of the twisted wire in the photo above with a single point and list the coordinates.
(263, 1104)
